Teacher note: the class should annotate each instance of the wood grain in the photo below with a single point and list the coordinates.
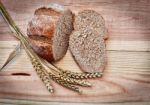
(127, 75)
(125, 20)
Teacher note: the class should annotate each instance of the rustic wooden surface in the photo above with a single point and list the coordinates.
(127, 75)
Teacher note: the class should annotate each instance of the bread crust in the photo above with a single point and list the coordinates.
(43, 49)
(47, 11)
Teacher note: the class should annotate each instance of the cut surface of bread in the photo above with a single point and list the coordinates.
(87, 41)
(88, 49)
(64, 27)
(90, 19)
(49, 30)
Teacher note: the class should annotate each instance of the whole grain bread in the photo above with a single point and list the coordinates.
(91, 19)
(87, 41)
(49, 32)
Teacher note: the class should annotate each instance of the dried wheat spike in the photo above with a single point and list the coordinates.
(64, 83)
(75, 81)
(85, 75)
(41, 73)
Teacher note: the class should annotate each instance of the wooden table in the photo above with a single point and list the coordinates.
(127, 75)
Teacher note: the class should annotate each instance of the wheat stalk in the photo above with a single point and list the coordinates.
(64, 83)
(67, 78)
(75, 81)
(42, 74)
(85, 75)
(74, 75)
(46, 76)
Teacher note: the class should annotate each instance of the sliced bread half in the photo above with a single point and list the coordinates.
(49, 32)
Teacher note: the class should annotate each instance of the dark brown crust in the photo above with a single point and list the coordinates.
(41, 26)
(47, 11)
(41, 39)
(43, 49)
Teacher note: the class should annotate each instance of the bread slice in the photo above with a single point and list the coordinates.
(90, 19)
(88, 49)
(49, 32)
(87, 41)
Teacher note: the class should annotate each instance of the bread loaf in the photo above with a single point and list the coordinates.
(87, 41)
(49, 32)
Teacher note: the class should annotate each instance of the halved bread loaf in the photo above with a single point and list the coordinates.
(87, 41)
(49, 32)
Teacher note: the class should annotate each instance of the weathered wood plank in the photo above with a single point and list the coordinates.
(125, 20)
(126, 74)
(126, 61)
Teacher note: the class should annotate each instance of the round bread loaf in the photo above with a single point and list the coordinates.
(49, 32)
